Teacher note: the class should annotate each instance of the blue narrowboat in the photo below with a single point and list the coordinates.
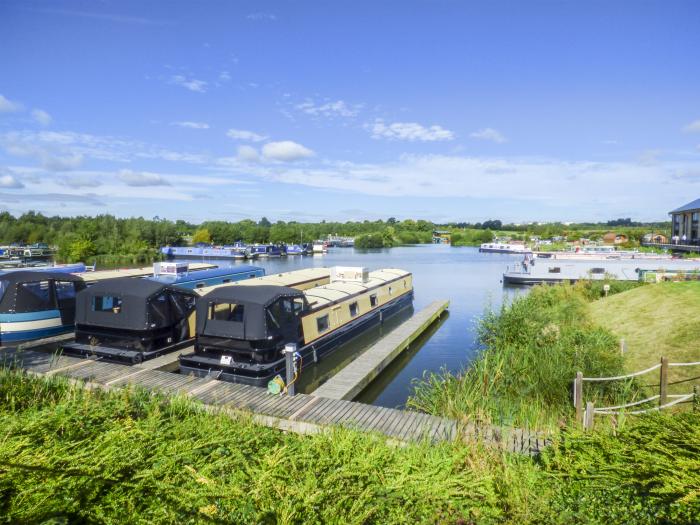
(263, 250)
(179, 274)
(294, 249)
(36, 304)
(205, 252)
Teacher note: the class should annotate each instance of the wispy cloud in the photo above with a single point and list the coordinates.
(261, 16)
(41, 117)
(286, 151)
(142, 178)
(191, 125)
(489, 134)
(193, 84)
(338, 108)
(409, 131)
(8, 106)
(243, 134)
(248, 154)
(10, 181)
(693, 127)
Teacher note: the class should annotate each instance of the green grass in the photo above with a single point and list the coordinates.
(532, 349)
(655, 320)
(71, 455)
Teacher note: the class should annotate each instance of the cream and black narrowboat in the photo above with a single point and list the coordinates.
(241, 330)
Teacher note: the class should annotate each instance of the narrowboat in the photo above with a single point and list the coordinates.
(263, 250)
(204, 252)
(294, 249)
(182, 275)
(36, 304)
(132, 319)
(501, 247)
(241, 330)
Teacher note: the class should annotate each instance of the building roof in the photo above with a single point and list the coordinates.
(695, 205)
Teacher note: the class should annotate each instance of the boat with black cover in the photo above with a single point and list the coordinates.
(241, 330)
(132, 320)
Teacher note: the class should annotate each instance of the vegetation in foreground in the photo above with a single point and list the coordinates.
(531, 351)
(71, 455)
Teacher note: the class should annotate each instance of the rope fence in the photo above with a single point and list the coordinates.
(665, 400)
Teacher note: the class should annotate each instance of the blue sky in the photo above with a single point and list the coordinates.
(443, 110)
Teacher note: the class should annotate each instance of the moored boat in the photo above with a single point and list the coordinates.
(502, 247)
(36, 304)
(180, 274)
(241, 329)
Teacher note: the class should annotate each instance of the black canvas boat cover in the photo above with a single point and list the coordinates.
(253, 299)
(11, 298)
(123, 303)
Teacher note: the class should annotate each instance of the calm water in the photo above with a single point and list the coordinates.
(470, 280)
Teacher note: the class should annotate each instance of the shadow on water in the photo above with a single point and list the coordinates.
(372, 392)
(313, 377)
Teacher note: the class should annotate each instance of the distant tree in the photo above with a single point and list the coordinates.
(264, 223)
(201, 235)
(391, 221)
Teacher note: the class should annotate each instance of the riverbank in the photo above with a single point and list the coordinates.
(530, 352)
(73, 455)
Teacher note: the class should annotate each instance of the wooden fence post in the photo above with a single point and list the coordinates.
(663, 381)
(588, 417)
(578, 396)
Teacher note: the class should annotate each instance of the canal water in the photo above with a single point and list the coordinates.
(470, 280)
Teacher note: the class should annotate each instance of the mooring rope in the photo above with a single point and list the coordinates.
(633, 374)
(681, 399)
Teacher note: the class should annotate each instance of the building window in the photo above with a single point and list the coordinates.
(373, 300)
(322, 323)
(107, 303)
(354, 309)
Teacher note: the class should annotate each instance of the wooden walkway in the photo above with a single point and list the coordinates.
(301, 413)
(360, 372)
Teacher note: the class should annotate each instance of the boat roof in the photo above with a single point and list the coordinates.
(205, 274)
(694, 205)
(329, 293)
(23, 276)
(91, 277)
(262, 295)
(11, 297)
(280, 279)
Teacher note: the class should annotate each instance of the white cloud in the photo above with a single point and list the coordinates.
(8, 181)
(141, 178)
(41, 117)
(7, 106)
(285, 151)
(261, 16)
(224, 76)
(339, 108)
(489, 134)
(693, 127)
(199, 86)
(410, 131)
(242, 134)
(248, 154)
(191, 125)
(82, 180)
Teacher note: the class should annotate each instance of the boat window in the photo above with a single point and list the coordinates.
(226, 281)
(107, 303)
(65, 293)
(555, 269)
(373, 300)
(251, 276)
(354, 309)
(404, 283)
(597, 270)
(199, 285)
(390, 291)
(34, 296)
(283, 312)
(322, 323)
(227, 312)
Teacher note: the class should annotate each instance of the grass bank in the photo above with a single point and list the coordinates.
(69, 455)
(655, 320)
(531, 351)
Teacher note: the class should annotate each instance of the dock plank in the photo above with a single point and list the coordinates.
(352, 379)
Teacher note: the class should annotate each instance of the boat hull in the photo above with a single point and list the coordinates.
(261, 374)
(20, 327)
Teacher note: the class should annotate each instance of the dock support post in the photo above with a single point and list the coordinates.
(289, 351)
(663, 381)
(578, 396)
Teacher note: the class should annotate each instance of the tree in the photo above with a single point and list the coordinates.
(201, 235)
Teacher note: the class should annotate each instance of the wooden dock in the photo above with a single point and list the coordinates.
(351, 380)
(301, 413)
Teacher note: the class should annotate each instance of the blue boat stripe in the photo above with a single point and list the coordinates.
(29, 316)
(26, 335)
